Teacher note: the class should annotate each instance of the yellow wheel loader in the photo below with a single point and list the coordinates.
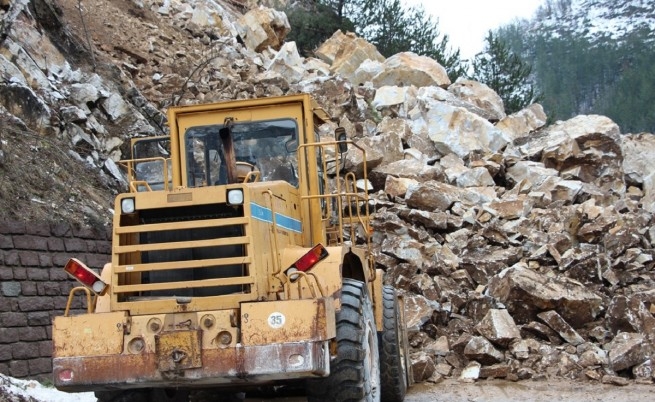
(241, 259)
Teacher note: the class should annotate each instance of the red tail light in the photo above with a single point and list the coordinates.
(307, 261)
(65, 375)
(85, 276)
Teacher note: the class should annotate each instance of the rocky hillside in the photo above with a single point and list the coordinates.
(591, 57)
(598, 20)
(524, 250)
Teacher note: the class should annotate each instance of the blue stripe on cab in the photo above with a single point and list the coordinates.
(266, 215)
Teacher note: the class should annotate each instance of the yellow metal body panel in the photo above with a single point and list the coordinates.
(227, 314)
(271, 236)
(178, 350)
(88, 334)
(287, 321)
(211, 322)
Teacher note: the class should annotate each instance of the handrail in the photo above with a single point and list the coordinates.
(129, 165)
(347, 192)
(252, 176)
(90, 304)
(364, 224)
(134, 185)
(302, 275)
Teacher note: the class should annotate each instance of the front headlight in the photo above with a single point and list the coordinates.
(235, 196)
(127, 205)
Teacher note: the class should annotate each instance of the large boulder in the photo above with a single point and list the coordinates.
(527, 293)
(407, 68)
(534, 173)
(288, 64)
(205, 16)
(648, 200)
(638, 156)
(345, 53)
(388, 96)
(523, 122)
(482, 351)
(498, 327)
(412, 169)
(481, 96)
(435, 196)
(584, 148)
(559, 325)
(262, 27)
(366, 71)
(628, 350)
(456, 130)
(389, 144)
(20, 100)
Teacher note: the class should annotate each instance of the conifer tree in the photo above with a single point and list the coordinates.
(313, 23)
(504, 72)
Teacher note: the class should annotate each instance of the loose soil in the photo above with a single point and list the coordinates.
(529, 390)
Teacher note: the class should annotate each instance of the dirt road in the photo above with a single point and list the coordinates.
(534, 391)
(507, 391)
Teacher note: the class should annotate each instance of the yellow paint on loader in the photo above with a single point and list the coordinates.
(89, 334)
(217, 212)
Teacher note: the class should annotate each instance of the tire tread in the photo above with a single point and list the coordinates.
(392, 375)
(346, 381)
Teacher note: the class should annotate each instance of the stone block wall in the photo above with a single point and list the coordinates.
(34, 288)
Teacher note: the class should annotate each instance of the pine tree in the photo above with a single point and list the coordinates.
(629, 99)
(576, 73)
(312, 24)
(504, 72)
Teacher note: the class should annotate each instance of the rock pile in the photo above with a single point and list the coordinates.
(523, 250)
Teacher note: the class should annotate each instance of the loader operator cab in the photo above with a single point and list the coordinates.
(263, 151)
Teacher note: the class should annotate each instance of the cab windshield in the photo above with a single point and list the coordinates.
(265, 147)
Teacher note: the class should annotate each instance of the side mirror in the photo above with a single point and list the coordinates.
(291, 146)
(341, 137)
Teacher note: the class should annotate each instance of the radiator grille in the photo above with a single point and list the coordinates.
(194, 251)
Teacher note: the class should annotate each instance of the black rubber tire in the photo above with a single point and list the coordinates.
(169, 395)
(355, 372)
(393, 349)
(216, 395)
(133, 395)
(143, 395)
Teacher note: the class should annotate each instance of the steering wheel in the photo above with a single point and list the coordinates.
(247, 172)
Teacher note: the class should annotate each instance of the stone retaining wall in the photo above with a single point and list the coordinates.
(34, 288)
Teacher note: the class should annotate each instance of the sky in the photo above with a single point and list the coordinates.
(466, 22)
